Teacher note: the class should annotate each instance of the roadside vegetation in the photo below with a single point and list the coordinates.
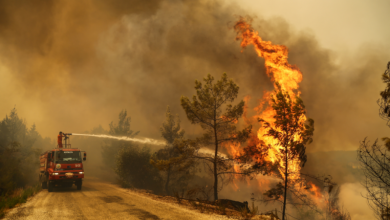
(179, 167)
(176, 168)
(20, 147)
(180, 172)
(18, 196)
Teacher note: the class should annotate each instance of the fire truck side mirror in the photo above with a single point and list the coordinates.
(85, 156)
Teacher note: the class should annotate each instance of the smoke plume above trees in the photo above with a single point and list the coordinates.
(71, 66)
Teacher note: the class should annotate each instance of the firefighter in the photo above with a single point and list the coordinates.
(60, 140)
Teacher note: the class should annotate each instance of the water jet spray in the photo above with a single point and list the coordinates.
(124, 138)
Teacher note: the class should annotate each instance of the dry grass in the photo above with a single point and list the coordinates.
(201, 206)
(207, 207)
(17, 196)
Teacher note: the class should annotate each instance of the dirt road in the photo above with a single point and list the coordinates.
(99, 200)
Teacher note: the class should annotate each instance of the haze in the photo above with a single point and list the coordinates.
(73, 66)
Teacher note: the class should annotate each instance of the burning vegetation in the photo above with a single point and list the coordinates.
(277, 148)
(228, 143)
(182, 166)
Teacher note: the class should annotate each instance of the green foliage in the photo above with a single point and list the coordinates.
(385, 94)
(111, 148)
(384, 102)
(19, 153)
(206, 109)
(18, 196)
(134, 169)
(128, 160)
(175, 165)
(170, 129)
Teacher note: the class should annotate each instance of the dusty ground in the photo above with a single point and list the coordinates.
(100, 200)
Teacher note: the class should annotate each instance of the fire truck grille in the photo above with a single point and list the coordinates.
(64, 177)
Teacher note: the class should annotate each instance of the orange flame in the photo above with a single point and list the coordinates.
(288, 77)
(235, 186)
(315, 190)
(275, 56)
(280, 71)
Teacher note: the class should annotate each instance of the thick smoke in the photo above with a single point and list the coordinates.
(76, 65)
(50, 49)
(72, 65)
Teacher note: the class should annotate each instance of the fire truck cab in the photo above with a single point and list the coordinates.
(61, 166)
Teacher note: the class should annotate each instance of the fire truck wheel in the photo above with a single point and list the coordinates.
(50, 187)
(44, 185)
(79, 184)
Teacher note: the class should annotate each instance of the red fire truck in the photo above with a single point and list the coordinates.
(62, 166)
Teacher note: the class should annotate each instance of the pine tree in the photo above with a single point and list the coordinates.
(287, 126)
(206, 109)
(111, 148)
(170, 159)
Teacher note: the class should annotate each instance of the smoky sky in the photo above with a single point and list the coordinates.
(71, 66)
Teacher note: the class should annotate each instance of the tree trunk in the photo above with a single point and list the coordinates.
(167, 183)
(215, 175)
(286, 142)
(285, 187)
(215, 158)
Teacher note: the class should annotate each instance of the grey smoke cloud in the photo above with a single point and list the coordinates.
(72, 65)
(76, 65)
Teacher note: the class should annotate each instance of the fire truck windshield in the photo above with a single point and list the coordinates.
(68, 156)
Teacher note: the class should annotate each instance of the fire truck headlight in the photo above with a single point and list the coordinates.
(54, 174)
(81, 172)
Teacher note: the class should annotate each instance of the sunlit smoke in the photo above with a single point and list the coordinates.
(125, 138)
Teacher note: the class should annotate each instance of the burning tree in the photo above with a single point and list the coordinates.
(291, 134)
(220, 127)
(284, 131)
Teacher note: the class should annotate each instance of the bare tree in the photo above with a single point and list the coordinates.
(375, 163)
(375, 160)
